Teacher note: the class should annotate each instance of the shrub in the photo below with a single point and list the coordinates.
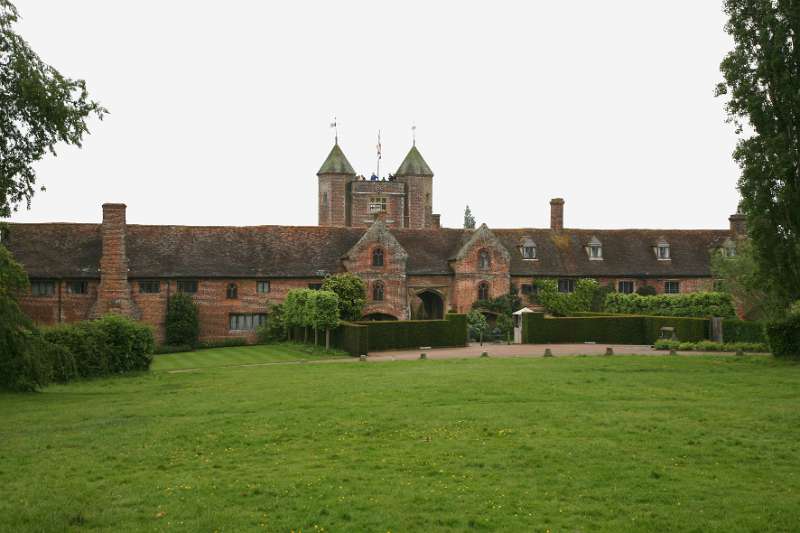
(506, 326)
(710, 346)
(477, 325)
(274, 329)
(567, 303)
(182, 321)
(110, 345)
(784, 336)
(646, 290)
(230, 342)
(298, 310)
(352, 293)
(698, 304)
(396, 334)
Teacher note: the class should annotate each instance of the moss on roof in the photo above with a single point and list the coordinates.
(414, 165)
(336, 163)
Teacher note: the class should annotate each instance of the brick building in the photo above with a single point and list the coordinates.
(382, 230)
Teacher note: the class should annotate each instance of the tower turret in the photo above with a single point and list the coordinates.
(334, 175)
(418, 178)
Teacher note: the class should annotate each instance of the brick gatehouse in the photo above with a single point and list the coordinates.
(383, 230)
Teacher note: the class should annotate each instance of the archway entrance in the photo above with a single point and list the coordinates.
(378, 316)
(432, 307)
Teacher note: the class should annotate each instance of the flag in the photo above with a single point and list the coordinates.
(379, 145)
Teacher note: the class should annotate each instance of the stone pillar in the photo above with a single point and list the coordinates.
(114, 291)
(557, 214)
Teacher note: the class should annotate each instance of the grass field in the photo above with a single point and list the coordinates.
(241, 355)
(563, 444)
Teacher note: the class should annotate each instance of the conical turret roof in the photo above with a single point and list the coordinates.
(414, 165)
(336, 163)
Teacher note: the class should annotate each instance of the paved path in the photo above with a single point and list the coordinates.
(516, 350)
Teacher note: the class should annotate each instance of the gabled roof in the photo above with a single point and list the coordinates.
(55, 250)
(378, 233)
(483, 236)
(336, 163)
(414, 165)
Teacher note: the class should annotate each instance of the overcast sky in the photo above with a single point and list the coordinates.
(220, 111)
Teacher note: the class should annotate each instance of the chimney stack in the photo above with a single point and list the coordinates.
(114, 292)
(557, 214)
(738, 225)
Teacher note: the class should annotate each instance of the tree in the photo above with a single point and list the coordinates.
(477, 325)
(740, 277)
(506, 326)
(182, 321)
(298, 310)
(326, 314)
(762, 83)
(469, 220)
(352, 293)
(38, 109)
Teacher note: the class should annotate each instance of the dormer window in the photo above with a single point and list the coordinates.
(377, 257)
(662, 250)
(595, 249)
(528, 249)
(484, 260)
(729, 248)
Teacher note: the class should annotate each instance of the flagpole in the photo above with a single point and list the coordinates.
(379, 154)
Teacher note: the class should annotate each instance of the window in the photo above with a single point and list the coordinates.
(672, 287)
(315, 286)
(483, 291)
(662, 251)
(730, 251)
(566, 285)
(246, 321)
(529, 288)
(187, 286)
(149, 286)
(262, 287)
(377, 257)
(484, 260)
(77, 287)
(43, 288)
(595, 249)
(528, 249)
(232, 292)
(377, 291)
(625, 287)
(377, 205)
(325, 199)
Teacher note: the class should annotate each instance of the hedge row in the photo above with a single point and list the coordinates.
(784, 337)
(697, 304)
(109, 345)
(734, 330)
(536, 329)
(349, 337)
(397, 334)
(710, 346)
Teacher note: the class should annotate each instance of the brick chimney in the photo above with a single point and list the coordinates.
(114, 292)
(436, 220)
(738, 225)
(557, 214)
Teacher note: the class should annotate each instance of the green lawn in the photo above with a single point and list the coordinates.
(653, 443)
(243, 355)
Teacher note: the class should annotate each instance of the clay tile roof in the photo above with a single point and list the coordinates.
(414, 165)
(336, 163)
(54, 250)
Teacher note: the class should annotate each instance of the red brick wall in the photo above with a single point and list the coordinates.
(114, 293)
(468, 276)
(44, 310)
(362, 191)
(334, 212)
(420, 200)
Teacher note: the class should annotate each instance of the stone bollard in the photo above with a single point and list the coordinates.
(423, 355)
(548, 352)
(673, 351)
(609, 351)
(363, 358)
(484, 354)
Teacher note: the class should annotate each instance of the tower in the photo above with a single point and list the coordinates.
(417, 176)
(334, 175)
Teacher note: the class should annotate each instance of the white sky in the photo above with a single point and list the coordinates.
(220, 111)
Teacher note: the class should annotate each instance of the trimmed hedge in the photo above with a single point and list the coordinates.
(536, 329)
(734, 330)
(697, 304)
(109, 345)
(396, 334)
(710, 346)
(784, 337)
(350, 337)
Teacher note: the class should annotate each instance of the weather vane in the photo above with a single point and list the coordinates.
(335, 127)
(413, 134)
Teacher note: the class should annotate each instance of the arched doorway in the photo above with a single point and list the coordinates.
(432, 307)
(378, 316)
